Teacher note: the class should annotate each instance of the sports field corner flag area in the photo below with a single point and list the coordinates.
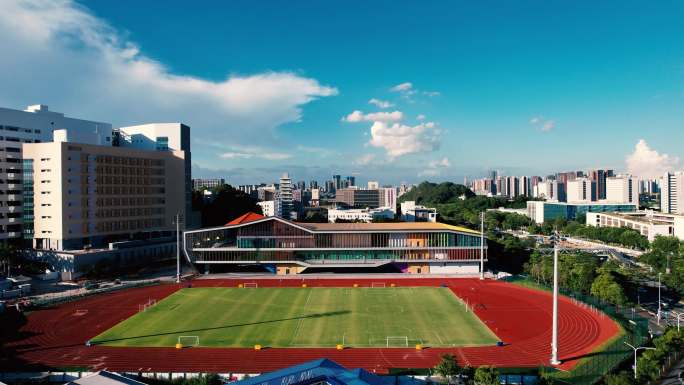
(303, 317)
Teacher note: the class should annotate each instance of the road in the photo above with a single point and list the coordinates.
(672, 377)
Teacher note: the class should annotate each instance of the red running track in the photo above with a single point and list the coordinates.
(521, 317)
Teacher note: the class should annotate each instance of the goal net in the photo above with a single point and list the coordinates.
(397, 341)
(188, 341)
(250, 284)
(377, 284)
(145, 306)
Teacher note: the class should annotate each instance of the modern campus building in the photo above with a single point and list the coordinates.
(208, 183)
(648, 223)
(411, 212)
(286, 247)
(87, 196)
(113, 194)
(540, 211)
(361, 215)
(36, 124)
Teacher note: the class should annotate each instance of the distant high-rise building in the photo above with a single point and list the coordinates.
(301, 185)
(672, 193)
(337, 181)
(285, 200)
(351, 181)
(493, 174)
(622, 189)
(388, 198)
(599, 176)
(329, 186)
(373, 184)
(358, 198)
(313, 185)
(580, 190)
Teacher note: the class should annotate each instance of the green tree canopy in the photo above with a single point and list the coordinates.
(487, 375)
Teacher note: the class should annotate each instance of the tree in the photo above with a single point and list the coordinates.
(447, 367)
(622, 378)
(9, 258)
(487, 375)
(228, 205)
(607, 289)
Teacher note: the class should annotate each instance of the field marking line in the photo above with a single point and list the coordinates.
(299, 323)
(439, 338)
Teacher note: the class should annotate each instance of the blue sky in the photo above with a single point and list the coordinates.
(528, 87)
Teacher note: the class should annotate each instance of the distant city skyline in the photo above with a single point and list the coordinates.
(436, 92)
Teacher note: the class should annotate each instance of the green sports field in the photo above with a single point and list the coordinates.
(303, 317)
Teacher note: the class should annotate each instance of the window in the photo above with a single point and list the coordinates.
(162, 143)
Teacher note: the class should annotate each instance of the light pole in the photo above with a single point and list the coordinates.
(679, 317)
(178, 270)
(554, 337)
(635, 355)
(482, 215)
(659, 302)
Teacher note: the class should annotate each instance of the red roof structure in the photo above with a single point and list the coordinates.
(249, 217)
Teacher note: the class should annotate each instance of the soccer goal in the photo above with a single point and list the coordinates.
(396, 341)
(377, 284)
(145, 306)
(188, 341)
(252, 285)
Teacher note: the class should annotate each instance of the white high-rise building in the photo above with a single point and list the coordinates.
(622, 189)
(36, 124)
(373, 185)
(285, 207)
(388, 198)
(580, 191)
(672, 193)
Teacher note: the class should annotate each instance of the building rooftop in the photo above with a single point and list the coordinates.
(105, 378)
(394, 226)
(248, 217)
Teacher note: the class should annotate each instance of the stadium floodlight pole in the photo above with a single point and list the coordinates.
(554, 336)
(178, 274)
(659, 301)
(482, 215)
(635, 354)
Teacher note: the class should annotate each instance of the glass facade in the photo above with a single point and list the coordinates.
(27, 195)
(571, 211)
(277, 240)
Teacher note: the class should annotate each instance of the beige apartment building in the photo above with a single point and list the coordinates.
(86, 196)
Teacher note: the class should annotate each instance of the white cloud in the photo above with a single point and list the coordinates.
(545, 125)
(444, 162)
(434, 167)
(429, 172)
(64, 56)
(364, 160)
(358, 116)
(403, 87)
(400, 139)
(431, 93)
(420, 117)
(646, 162)
(254, 153)
(380, 103)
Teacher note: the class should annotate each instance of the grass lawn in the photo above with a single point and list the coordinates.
(304, 317)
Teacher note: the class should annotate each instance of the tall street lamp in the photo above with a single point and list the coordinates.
(635, 354)
(554, 337)
(482, 215)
